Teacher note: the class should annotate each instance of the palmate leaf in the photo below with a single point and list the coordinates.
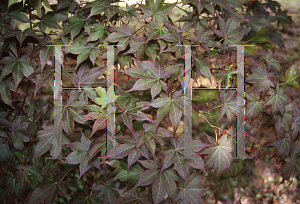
(50, 20)
(134, 197)
(98, 31)
(130, 12)
(193, 191)
(156, 9)
(254, 106)
(172, 106)
(86, 198)
(122, 35)
(205, 96)
(5, 153)
(291, 166)
(46, 76)
(131, 112)
(150, 77)
(175, 37)
(283, 146)
(48, 192)
(182, 158)
(284, 122)
(89, 77)
(18, 134)
(296, 125)
(80, 155)
(228, 98)
(193, 21)
(277, 100)
(154, 30)
(202, 67)
(22, 35)
(204, 39)
(261, 78)
(272, 62)
(100, 6)
(19, 67)
(150, 136)
(131, 150)
(45, 54)
(72, 111)
(107, 192)
(163, 183)
(75, 24)
(256, 23)
(232, 31)
(5, 92)
(218, 155)
(223, 187)
(84, 51)
(47, 141)
(140, 47)
(290, 77)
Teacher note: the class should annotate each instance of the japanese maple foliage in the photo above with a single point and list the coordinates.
(148, 160)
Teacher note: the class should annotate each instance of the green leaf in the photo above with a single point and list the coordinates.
(278, 100)
(5, 93)
(130, 112)
(181, 157)
(42, 78)
(291, 166)
(171, 106)
(84, 51)
(99, 6)
(290, 77)
(261, 78)
(228, 98)
(122, 35)
(45, 54)
(272, 62)
(206, 96)
(75, 24)
(107, 193)
(192, 191)
(18, 67)
(157, 10)
(219, 155)
(48, 192)
(50, 20)
(203, 67)
(223, 187)
(254, 106)
(283, 146)
(232, 31)
(5, 153)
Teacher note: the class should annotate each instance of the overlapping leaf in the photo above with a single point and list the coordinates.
(261, 78)
(290, 77)
(218, 155)
(163, 183)
(277, 100)
(47, 141)
(192, 191)
(19, 67)
(183, 155)
(254, 106)
(156, 9)
(150, 136)
(172, 106)
(228, 98)
(131, 112)
(150, 77)
(232, 31)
